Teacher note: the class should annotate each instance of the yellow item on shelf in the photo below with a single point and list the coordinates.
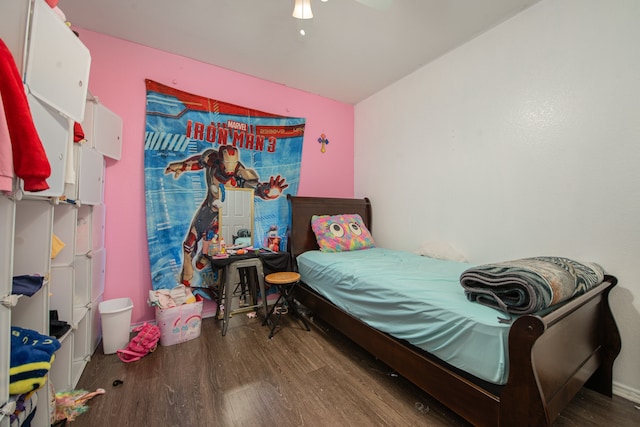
(56, 246)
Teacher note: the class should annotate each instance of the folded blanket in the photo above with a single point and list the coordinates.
(531, 284)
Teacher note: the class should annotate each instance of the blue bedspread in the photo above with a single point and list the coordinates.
(416, 299)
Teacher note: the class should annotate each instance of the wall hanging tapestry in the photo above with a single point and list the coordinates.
(195, 147)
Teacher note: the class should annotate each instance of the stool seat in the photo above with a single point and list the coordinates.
(282, 278)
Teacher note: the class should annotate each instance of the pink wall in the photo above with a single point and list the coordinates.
(118, 71)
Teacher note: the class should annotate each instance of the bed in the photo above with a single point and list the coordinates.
(549, 355)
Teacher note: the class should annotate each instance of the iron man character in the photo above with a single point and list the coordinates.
(222, 169)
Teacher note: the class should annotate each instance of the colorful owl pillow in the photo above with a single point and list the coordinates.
(338, 233)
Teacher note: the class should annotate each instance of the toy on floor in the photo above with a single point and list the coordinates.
(70, 404)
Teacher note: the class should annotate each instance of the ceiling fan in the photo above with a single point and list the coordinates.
(302, 8)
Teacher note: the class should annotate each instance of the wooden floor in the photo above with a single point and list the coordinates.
(297, 378)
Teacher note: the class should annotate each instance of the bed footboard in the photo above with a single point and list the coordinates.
(552, 357)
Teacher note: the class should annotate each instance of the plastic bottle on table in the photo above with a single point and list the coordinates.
(213, 246)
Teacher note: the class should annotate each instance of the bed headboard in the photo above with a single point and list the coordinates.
(303, 208)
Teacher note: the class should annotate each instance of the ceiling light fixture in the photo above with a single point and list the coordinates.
(302, 9)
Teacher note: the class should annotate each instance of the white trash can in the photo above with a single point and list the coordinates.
(116, 322)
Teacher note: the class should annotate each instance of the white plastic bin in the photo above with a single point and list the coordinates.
(116, 323)
(179, 324)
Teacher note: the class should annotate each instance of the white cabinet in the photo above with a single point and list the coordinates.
(7, 218)
(78, 270)
(55, 68)
(57, 76)
(53, 130)
(5, 319)
(60, 290)
(103, 134)
(97, 272)
(32, 256)
(87, 187)
(14, 21)
(30, 251)
(103, 128)
(107, 129)
(90, 269)
(90, 175)
(54, 65)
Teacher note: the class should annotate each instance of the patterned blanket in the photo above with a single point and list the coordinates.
(531, 284)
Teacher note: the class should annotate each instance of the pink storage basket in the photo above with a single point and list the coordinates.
(179, 324)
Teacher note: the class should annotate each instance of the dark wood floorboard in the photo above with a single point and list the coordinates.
(297, 378)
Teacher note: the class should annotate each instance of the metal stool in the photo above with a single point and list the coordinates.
(286, 283)
(236, 274)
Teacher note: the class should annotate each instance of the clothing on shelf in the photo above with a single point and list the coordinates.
(26, 284)
(57, 328)
(56, 246)
(25, 409)
(31, 357)
(6, 159)
(30, 160)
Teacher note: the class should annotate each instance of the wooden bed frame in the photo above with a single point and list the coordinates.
(550, 357)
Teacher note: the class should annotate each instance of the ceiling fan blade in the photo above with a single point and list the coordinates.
(376, 4)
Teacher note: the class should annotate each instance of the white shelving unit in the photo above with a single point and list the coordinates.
(7, 227)
(55, 68)
(78, 271)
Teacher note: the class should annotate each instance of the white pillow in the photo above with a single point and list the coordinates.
(441, 250)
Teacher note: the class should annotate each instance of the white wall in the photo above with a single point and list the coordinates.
(523, 142)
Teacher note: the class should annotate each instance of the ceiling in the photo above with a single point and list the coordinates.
(350, 52)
